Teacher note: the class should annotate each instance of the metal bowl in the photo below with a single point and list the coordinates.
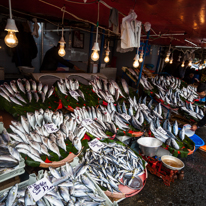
(149, 145)
(172, 163)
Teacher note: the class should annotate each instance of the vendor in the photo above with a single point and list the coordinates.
(183, 71)
(201, 90)
(51, 60)
(190, 79)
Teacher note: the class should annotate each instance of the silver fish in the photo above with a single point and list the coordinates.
(125, 86)
(10, 90)
(31, 119)
(36, 96)
(28, 86)
(40, 85)
(20, 85)
(4, 90)
(50, 92)
(18, 96)
(29, 96)
(12, 195)
(15, 100)
(5, 97)
(13, 86)
(45, 89)
(53, 147)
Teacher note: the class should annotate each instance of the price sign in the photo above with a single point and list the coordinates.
(74, 93)
(95, 145)
(126, 116)
(51, 128)
(87, 121)
(144, 106)
(160, 129)
(40, 188)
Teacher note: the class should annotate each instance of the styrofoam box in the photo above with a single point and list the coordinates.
(32, 179)
(100, 192)
(13, 173)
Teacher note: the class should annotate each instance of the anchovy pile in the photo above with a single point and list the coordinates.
(16, 196)
(9, 156)
(72, 187)
(145, 83)
(94, 121)
(108, 90)
(135, 115)
(194, 112)
(32, 138)
(68, 86)
(112, 163)
(167, 134)
(12, 92)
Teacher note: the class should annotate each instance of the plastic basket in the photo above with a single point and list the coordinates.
(13, 173)
(198, 141)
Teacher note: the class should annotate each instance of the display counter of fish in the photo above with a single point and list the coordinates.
(32, 137)
(108, 90)
(68, 86)
(189, 93)
(113, 165)
(72, 187)
(12, 92)
(168, 134)
(9, 156)
(194, 112)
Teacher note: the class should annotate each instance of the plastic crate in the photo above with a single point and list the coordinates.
(32, 179)
(15, 172)
(100, 192)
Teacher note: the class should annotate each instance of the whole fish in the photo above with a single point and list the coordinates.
(29, 96)
(10, 90)
(12, 195)
(5, 97)
(175, 128)
(32, 120)
(20, 85)
(40, 85)
(28, 86)
(50, 92)
(36, 96)
(4, 90)
(125, 86)
(13, 86)
(15, 100)
(45, 89)
(18, 96)
(33, 85)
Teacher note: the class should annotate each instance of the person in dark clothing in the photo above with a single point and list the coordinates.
(201, 90)
(183, 71)
(51, 60)
(190, 78)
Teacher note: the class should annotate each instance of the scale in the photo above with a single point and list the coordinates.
(157, 168)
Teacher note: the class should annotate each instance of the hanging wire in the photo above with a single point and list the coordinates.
(97, 23)
(77, 2)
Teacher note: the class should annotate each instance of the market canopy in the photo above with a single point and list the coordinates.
(166, 17)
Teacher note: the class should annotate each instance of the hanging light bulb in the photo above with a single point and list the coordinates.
(106, 59)
(190, 63)
(183, 64)
(136, 62)
(141, 56)
(62, 51)
(11, 39)
(95, 54)
(167, 59)
(203, 66)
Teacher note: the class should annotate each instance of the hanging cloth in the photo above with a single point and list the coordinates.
(35, 28)
(130, 31)
(114, 20)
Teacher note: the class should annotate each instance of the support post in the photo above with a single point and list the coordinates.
(145, 47)
(101, 51)
(158, 61)
(90, 48)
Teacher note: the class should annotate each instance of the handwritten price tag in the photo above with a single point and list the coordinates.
(74, 93)
(126, 116)
(51, 128)
(40, 188)
(160, 129)
(95, 145)
(87, 121)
